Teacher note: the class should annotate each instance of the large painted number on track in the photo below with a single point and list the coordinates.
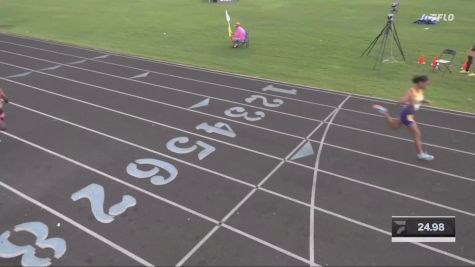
(276, 102)
(95, 194)
(240, 112)
(154, 173)
(218, 128)
(279, 90)
(172, 146)
(28, 252)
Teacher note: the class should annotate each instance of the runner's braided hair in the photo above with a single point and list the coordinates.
(420, 78)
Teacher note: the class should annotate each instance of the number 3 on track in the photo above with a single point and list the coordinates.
(240, 112)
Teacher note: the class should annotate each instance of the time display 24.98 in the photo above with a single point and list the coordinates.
(423, 226)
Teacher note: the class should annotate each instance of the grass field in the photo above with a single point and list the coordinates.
(313, 42)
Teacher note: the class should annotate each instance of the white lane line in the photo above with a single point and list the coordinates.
(134, 145)
(142, 75)
(235, 179)
(425, 108)
(110, 177)
(283, 251)
(449, 129)
(171, 202)
(125, 66)
(402, 162)
(78, 225)
(401, 138)
(461, 258)
(155, 196)
(52, 67)
(420, 123)
(239, 181)
(166, 87)
(197, 246)
(365, 225)
(23, 74)
(246, 198)
(385, 189)
(145, 120)
(370, 114)
(314, 182)
(368, 226)
(191, 109)
(225, 73)
(150, 100)
(171, 75)
(381, 188)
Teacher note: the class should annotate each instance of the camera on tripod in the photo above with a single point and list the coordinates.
(391, 17)
(387, 37)
(394, 7)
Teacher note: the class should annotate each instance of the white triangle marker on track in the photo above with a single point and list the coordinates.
(19, 75)
(305, 151)
(142, 75)
(200, 104)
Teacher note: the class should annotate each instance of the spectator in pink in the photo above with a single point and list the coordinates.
(239, 35)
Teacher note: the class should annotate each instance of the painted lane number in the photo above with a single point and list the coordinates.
(275, 102)
(240, 112)
(96, 196)
(172, 145)
(218, 128)
(154, 171)
(28, 252)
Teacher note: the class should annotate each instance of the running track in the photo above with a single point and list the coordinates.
(307, 177)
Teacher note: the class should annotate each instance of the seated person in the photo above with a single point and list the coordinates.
(239, 35)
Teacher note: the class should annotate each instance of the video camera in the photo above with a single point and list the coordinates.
(395, 6)
(392, 14)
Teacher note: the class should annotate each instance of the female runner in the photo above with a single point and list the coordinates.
(411, 102)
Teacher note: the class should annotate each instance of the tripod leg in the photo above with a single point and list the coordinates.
(383, 46)
(398, 42)
(368, 50)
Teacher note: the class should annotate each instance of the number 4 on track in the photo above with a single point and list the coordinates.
(218, 128)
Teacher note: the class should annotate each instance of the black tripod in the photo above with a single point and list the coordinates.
(388, 32)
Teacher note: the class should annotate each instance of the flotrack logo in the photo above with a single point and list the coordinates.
(443, 17)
